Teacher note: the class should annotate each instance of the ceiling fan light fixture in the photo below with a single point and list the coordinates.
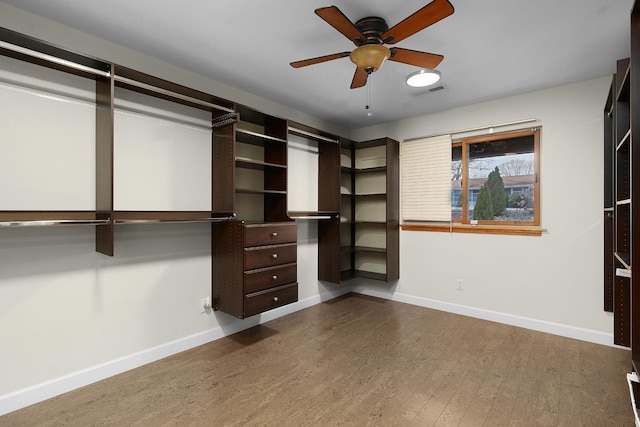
(423, 78)
(370, 57)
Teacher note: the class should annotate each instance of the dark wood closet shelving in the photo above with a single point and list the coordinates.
(34, 51)
(634, 182)
(108, 76)
(340, 256)
(255, 164)
(255, 138)
(328, 171)
(255, 256)
(244, 141)
(621, 189)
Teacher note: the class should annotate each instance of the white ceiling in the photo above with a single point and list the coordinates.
(492, 48)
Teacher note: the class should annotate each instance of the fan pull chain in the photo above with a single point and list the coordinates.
(368, 99)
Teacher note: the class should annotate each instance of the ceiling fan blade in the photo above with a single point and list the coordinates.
(359, 78)
(428, 15)
(319, 59)
(340, 22)
(415, 57)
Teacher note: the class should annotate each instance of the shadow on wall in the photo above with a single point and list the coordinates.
(48, 250)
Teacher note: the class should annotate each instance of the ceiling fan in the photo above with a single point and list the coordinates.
(372, 33)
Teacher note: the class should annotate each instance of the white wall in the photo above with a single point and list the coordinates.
(553, 281)
(69, 315)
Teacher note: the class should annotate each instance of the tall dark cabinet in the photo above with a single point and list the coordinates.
(621, 189)
(617, 203)
(634, 180)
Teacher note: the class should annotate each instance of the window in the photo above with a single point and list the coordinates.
(494, 179)
(493, 183)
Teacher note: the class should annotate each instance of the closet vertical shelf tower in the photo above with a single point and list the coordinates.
(622, 191)
(254, 256)
(617, 204)
(366, 236)
(634, 180)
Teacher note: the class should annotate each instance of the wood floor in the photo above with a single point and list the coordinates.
(358, 360)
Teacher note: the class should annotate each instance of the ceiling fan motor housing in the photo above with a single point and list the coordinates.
(372, 27)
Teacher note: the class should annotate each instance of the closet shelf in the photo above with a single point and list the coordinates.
(154, 86)
(377, 169)
(354, 274)
(19, 46)
(624, 258)
(371, 195)
(312, 215)
(370, 249)
(625, 140)
(255, 138)
(256, 164)
(300, 132)
(253, 191)
(623, 92)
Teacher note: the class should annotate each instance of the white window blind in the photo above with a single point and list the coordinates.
(425, 167)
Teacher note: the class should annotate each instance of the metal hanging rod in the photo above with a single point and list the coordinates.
(56, 222)
(311, 135)
(170, 93)
(516, 122)
(310, 217)
(173, 220)
(53, 59)
(142, 113)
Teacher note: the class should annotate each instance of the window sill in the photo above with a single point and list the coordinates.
(477, 229)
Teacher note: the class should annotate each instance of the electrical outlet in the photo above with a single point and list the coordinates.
(459, 284)
(205, 305)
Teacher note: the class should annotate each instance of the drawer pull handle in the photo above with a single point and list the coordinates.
(274, 256)
(275, 299)
(275, 277)
(274, 234)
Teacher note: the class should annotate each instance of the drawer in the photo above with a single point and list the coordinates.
(268, 256)
(258, 302)
(270, 233)
(265, 278)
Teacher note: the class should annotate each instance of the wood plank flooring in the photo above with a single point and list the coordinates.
(357, 360)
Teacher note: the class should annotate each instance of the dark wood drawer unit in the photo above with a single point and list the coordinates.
(254, 266)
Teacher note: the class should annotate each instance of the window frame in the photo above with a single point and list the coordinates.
(465, 142)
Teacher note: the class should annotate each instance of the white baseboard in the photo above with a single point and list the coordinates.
(28, 396)
(582, 334)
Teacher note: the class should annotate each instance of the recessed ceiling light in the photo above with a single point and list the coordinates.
(422, 78)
